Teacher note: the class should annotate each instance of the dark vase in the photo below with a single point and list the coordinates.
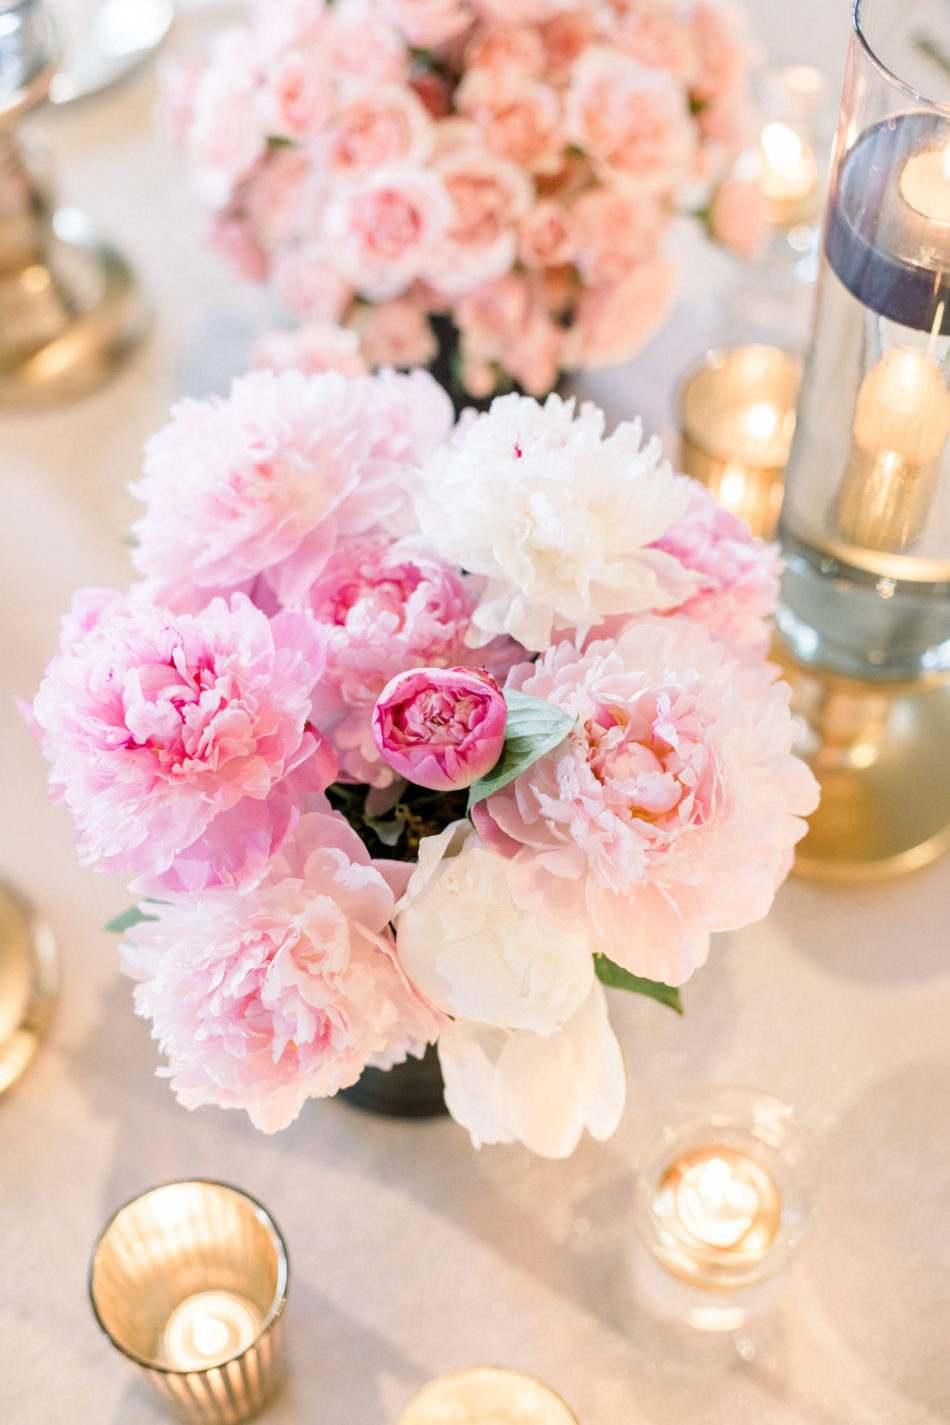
(445, 369)
(413, 1089)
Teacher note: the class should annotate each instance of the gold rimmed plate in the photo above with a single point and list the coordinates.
(29, 981)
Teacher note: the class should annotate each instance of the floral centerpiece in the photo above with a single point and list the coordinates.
(413, 734)
(497, 175)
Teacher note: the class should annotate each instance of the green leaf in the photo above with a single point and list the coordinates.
(618, 978)
(121, 923)
(533, 728)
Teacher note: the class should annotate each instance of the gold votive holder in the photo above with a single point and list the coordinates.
(29, 983)
(724, 1194)
(486, 1395)
(190, 1281)
(738, 417)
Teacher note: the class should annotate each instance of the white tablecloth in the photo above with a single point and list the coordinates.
(410, 1252)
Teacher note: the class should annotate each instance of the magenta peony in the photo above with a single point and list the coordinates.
(182, 745)
(441, 727)
(672, 809)
(266, 998)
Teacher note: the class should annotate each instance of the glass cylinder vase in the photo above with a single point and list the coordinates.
(865, 522)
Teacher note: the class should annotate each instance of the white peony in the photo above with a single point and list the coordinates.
(472, 948)
(555, 518)
(513, 1086)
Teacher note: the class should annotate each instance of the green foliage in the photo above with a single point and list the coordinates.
(534, 727)
(618, 978)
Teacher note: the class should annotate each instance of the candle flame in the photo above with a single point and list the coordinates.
(210, 1335)
(783, 147)
(762, 421)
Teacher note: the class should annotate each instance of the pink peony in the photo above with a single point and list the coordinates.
(441, 728)
(265, 998)
(385, 231)
(398, 334)
(725, 50)
(310, 349)
(520, 118)
(564, 36)
(506, 46)
(739, 574)
(294, 99)
(360, 47)
(266, 481)
(614, 321)
(739, 217)
(672, 808)
(631, 120)
(182, 746)
(384, 126)
(384, 608)
(614, 230)
(656, 35)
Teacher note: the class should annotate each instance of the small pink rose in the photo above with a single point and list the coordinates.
(441, 728)
(739, 218)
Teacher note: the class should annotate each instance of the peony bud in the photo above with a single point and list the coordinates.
(441, 727)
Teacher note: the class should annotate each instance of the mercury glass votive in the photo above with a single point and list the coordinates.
(190, 1281)
(738, 419)
(724, 1194)
(486, 1395)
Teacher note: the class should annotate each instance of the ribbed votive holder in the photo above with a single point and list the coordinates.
(190, 1281)
(486, 1395)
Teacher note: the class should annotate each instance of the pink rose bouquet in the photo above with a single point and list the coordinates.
(493, 178)
(415, 735)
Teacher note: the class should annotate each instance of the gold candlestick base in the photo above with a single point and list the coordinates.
(29, 980)
(879, 753)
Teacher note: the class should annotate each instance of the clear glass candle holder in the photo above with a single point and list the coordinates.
(724, 1194)
(737, 414)
(190, 1281)
(486, 1395)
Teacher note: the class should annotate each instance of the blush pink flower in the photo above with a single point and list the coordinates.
(739, 217)
(182, 746)
(265, 998)
(225, 138)
(726, 53)
(656, 34)
(309, 286)
(518, 12)
(398, 334)
(614, 230)
(385, 126)
(295, 99)
(738, 573)
(441, 728)
(428, 23)
(520, 119)
(631, 120)
(384, 608)
(614, 321)
(384, 231)
(175, 107)
(564, 35)
(235, 240)
(267, 481)
(546, 236)
(280, 201)
(361, 46)
(488, 195)
(672, 809)
(311, 349)
(506, 46)
(291, 24)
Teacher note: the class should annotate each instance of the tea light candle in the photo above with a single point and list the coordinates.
(789, 175)
(723, 1197)
(486, 1395)
(189, 1281)
(209, 1328)
(738, 418)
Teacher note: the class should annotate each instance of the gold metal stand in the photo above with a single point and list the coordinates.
(29, 981)
(881, 753)
(70, 311)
